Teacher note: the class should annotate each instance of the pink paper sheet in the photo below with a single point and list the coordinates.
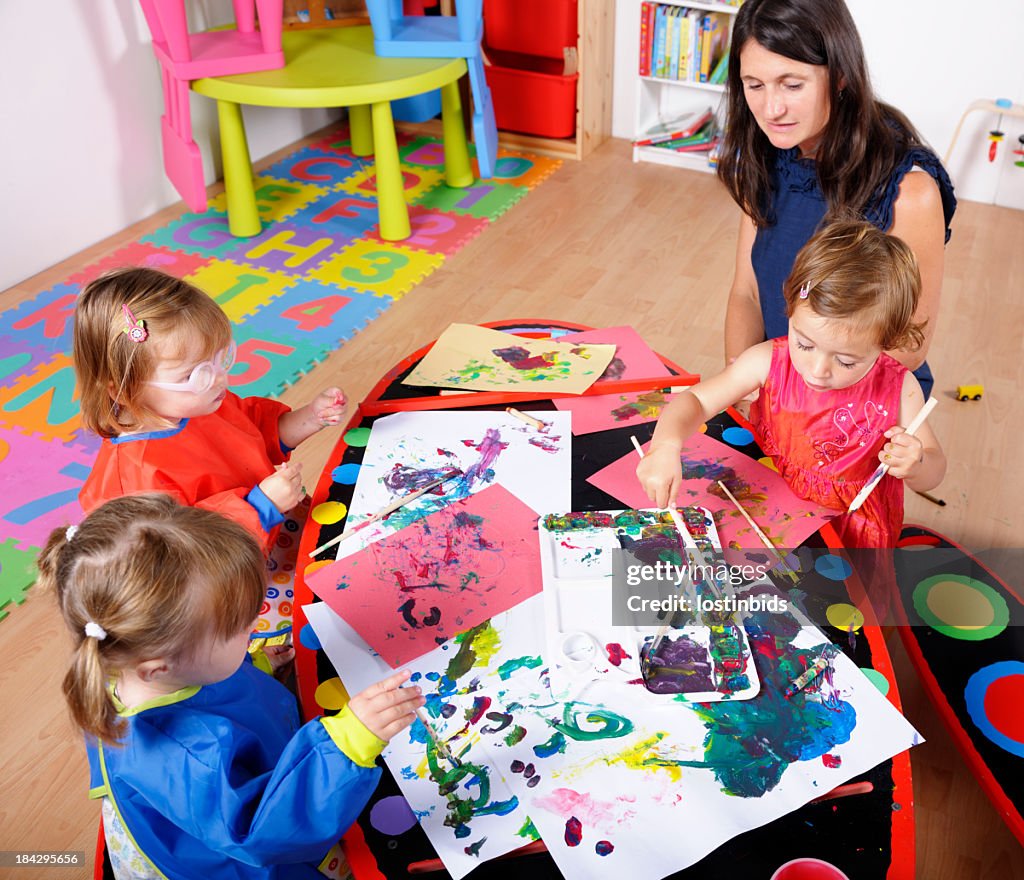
(445, 573)
(634, 359)
(784, 517)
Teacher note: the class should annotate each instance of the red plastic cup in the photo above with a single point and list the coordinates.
(808, 869)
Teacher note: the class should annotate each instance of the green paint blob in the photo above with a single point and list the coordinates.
(476, 648)
(509, 666)
(611, 724)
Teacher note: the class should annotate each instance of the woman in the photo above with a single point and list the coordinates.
(807, 141)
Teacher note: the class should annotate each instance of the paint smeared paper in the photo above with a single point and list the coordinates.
(440, 575)
(633, 359)
(785, 518)
(480, 359)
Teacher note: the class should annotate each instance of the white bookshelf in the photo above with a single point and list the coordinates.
(659, 99)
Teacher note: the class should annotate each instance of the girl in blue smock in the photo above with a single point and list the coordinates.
(806, 143)
(202, 764)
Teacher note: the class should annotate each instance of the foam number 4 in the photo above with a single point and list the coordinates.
(381, 267)
(316, 313)
(256, 365)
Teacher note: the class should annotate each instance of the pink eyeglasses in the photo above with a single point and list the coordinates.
(204, 374)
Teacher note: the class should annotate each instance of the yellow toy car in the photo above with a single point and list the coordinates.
(969, 392)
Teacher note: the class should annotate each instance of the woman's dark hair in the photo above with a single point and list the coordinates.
(863, 139)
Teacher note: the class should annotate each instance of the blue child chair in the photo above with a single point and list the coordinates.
(439, 36)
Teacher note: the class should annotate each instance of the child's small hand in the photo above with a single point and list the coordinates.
(903, 453)
(386, 708)
(284, 487)
(660, 474)
(329, 407)
(279, 656)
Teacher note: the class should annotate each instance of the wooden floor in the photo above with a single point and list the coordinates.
(605, 242)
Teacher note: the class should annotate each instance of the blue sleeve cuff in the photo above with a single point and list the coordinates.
(285, 450)
(269, 515)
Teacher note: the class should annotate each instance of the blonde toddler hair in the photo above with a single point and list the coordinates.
(857, 274)
(112, 369)
(154, 578)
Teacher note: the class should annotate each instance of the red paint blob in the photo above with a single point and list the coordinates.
(573, 832)
(616, 653)
(603, 847)
(832, 761)
(1003, 700)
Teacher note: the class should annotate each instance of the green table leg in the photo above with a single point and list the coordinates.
(391, 207)
(458, 172)
(360, 130)
(243, 218)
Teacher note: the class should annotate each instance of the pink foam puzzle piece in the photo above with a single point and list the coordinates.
(39, 484)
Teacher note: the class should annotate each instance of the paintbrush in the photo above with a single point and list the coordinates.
(439, 744)
(883, 469)
(783, 565)
(806, 677)
(523, 417)
(386, 510)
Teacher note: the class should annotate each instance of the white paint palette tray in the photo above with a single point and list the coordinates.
(695, 661)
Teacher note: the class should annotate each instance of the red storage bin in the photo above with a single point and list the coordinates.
(530, 94)
(530, 27)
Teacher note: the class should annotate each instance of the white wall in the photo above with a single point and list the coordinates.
(80, 106)
(930, 58)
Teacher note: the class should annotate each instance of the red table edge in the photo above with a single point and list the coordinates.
(901, 866)
(976, 764)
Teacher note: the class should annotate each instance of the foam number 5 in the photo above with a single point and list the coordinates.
(382, 267)
(256, 365)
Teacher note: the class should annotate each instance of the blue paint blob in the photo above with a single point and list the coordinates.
(737, 436)
(603, 847)
(308, 639)
(346, 474)
(834, 568)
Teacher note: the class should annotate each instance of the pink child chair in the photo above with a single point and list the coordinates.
(184, 57)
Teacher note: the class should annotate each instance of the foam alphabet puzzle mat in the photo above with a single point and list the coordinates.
(316, 274)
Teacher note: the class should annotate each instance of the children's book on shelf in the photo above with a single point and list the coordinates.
(714, 38)
(673, 129)
(647, 11)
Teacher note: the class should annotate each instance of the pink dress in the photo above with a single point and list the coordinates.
(825, 443)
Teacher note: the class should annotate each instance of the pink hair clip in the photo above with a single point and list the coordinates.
(136, 330)
(806, 289)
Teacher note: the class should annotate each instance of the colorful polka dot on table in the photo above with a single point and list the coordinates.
(994, 696)
(357, 437)
(329, 512)
(392, 815)
(346, 474)
(835, 568)
(703, 429)
(316, 566)
(308, 638)
(737, 436)
(844, 616)
(877, 679)
(961, 607)
(331, 694)
(768, 462)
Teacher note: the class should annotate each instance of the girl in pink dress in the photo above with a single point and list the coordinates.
(831, 399)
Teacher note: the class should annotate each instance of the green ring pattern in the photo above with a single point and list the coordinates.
(980, 634)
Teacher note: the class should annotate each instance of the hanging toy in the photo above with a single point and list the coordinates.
(994, 136)
(1020, 152)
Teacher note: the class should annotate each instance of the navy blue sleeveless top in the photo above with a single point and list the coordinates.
(799, 208)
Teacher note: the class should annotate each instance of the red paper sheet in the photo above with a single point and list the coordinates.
(633, 359)
(445, 573)
(784, 517)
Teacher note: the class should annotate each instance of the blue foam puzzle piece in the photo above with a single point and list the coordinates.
(45, 320)
(318, 167)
